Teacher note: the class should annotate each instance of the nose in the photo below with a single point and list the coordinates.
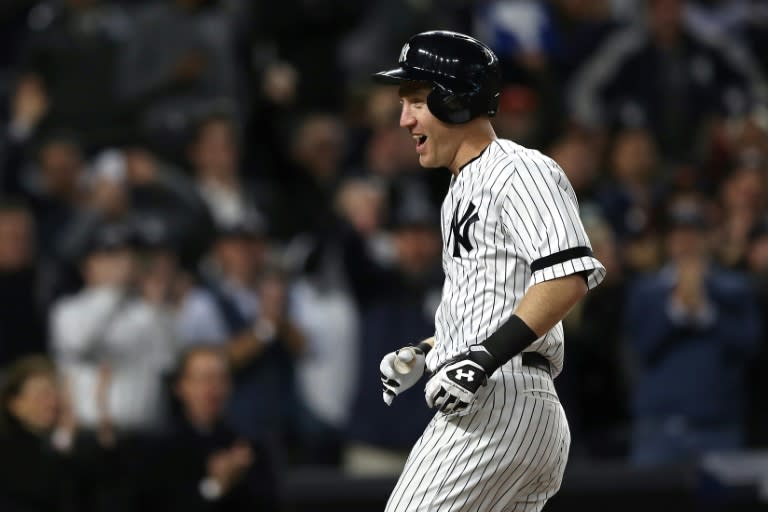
(407, 120)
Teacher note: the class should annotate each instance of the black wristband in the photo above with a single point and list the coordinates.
(424, 347)
(509, 340)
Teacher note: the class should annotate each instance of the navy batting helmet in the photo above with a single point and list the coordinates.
(463, 71)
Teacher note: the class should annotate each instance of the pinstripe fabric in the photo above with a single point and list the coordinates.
(526, 210)
(507, 452)
(509, 211)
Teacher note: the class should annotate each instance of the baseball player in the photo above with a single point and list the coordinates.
(516, 259)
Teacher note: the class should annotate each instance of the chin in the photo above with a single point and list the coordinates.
(427, 163)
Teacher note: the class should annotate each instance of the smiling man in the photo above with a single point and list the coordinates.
(516, 260)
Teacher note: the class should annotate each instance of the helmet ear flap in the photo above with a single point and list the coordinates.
(449, 107)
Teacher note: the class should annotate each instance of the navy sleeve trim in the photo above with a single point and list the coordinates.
(560, 257)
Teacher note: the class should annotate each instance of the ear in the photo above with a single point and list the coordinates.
(448, 106)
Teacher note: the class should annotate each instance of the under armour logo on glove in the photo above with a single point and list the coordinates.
(470, 375)
(455, 385)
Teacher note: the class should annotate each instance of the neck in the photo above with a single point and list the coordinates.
(201, 422)
(226, 179)
(668, 39)
(477, 138)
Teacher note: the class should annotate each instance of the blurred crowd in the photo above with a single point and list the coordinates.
(212, 228)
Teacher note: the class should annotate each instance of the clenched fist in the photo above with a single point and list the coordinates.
(400, 370)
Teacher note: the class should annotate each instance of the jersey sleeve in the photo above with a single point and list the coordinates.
(539, 210)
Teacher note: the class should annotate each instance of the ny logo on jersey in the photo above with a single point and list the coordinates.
(460, 228)
(469, 375)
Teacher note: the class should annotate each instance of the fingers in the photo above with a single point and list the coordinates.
(448, 404)
(406, 355)
(389, 391)
(403, 360)
(387, 365)
(435, 398)
(389, 382)
(400, 370)
(453, 404)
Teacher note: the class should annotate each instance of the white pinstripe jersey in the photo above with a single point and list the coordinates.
(510, 220)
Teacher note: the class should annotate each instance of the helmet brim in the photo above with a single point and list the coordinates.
(410, 74)
(397, 76)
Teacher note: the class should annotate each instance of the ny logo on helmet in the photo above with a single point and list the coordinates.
(404, 52)
(460, 229)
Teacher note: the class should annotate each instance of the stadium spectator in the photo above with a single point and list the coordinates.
(692, 329)
(56, 187)
(317, 151)
(28, 105)
(214, 155)
(22, 317)
(242, 307)
(698, 80)
(114, 328)
(742, 200)
(629, 198)
(200, 463)
(47, 464)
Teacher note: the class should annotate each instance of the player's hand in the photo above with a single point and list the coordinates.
(400, 370)
(454, 387)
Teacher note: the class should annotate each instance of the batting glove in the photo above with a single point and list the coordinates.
(400, 370)
(454, 387)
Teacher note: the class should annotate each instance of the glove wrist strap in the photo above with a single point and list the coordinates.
(424, 347)
(504, 344)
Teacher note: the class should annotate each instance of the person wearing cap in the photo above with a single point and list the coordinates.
(113, 343)
(242, 306)
(692, 328)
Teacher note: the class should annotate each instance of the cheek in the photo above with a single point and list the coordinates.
(44, 410)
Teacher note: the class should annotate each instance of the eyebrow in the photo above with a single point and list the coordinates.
(414, 88)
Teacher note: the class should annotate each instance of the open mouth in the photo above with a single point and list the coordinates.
(420, 141)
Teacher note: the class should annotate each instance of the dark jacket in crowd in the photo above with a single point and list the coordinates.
(35, 477)
(179, 464)
(693, 370)
(22, 322)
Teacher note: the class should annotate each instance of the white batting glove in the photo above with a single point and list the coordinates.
(454, 387)
(400, 370)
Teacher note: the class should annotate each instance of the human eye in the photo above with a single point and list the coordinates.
(418, 101)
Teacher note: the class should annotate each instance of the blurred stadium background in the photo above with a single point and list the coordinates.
(212, 228)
